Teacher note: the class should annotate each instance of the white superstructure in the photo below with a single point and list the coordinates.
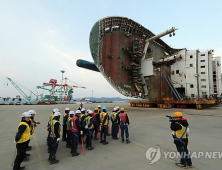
(197, 74)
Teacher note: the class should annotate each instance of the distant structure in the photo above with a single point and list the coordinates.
(59, 92)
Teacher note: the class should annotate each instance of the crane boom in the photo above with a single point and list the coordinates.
(18, 89)
(43, 87)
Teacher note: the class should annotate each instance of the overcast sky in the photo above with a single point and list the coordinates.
(40, 38)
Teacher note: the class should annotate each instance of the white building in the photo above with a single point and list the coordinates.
(197, 74)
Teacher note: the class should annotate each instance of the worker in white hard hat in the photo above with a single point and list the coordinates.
(65, 119)
(115, 123)
(117, 110)
(22, 137)
(55, 132)
(89, 130)
(82, 123)
(69, 133)
(99, 109)
(32, 125)
(48, 126)
(75, 129)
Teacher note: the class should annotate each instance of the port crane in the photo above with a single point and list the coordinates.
(16, 86)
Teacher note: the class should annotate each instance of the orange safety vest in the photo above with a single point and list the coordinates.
(122, 117)
(73, 123)
(95, 117)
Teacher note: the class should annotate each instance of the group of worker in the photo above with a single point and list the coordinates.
(24, 134)
(81, 123)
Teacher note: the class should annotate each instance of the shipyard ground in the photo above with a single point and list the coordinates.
(149, 128)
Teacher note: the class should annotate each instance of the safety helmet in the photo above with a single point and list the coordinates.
(90, 113)
(96, 108)
(57, 114)
(67, 108)
(26, 114)
(88, 110)
(122, 109)
(55, 110)
(32, 111)
(117, 107)
(178, 114)
(82, 110)
(71, 113)
(78, 111)
(99, 106)
(104, 108)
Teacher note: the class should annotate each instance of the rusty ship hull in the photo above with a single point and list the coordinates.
(116, 45)
(137, 63)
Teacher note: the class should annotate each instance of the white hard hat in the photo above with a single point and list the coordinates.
(99, 106)
(57, 114)
(55, 110)
(67, 108)
(117, 107)
(90, 112)
(83, 110)
(26, 114)
(78, 111)
(71, 112)
(32, 111)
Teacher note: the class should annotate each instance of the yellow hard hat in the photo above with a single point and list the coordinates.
(122, 109)
(178, 114)
(96, 108)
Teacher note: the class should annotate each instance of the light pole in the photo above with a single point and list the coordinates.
(92, 93)
(62, 71)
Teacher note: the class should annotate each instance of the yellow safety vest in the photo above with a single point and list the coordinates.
(84, 120)
(51, 118)
(64, 115)
(114, 117)
(68, 123)
(180, 132)
(26, 134)
(52, 134)
(32, 127)
(88, 122)
(102, 115)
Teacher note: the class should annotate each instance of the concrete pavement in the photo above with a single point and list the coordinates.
(149, 128)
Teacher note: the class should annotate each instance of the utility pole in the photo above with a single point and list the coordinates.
(92, 93)
(62, 71)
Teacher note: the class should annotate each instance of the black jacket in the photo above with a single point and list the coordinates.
(65, 120)
(175, 126)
